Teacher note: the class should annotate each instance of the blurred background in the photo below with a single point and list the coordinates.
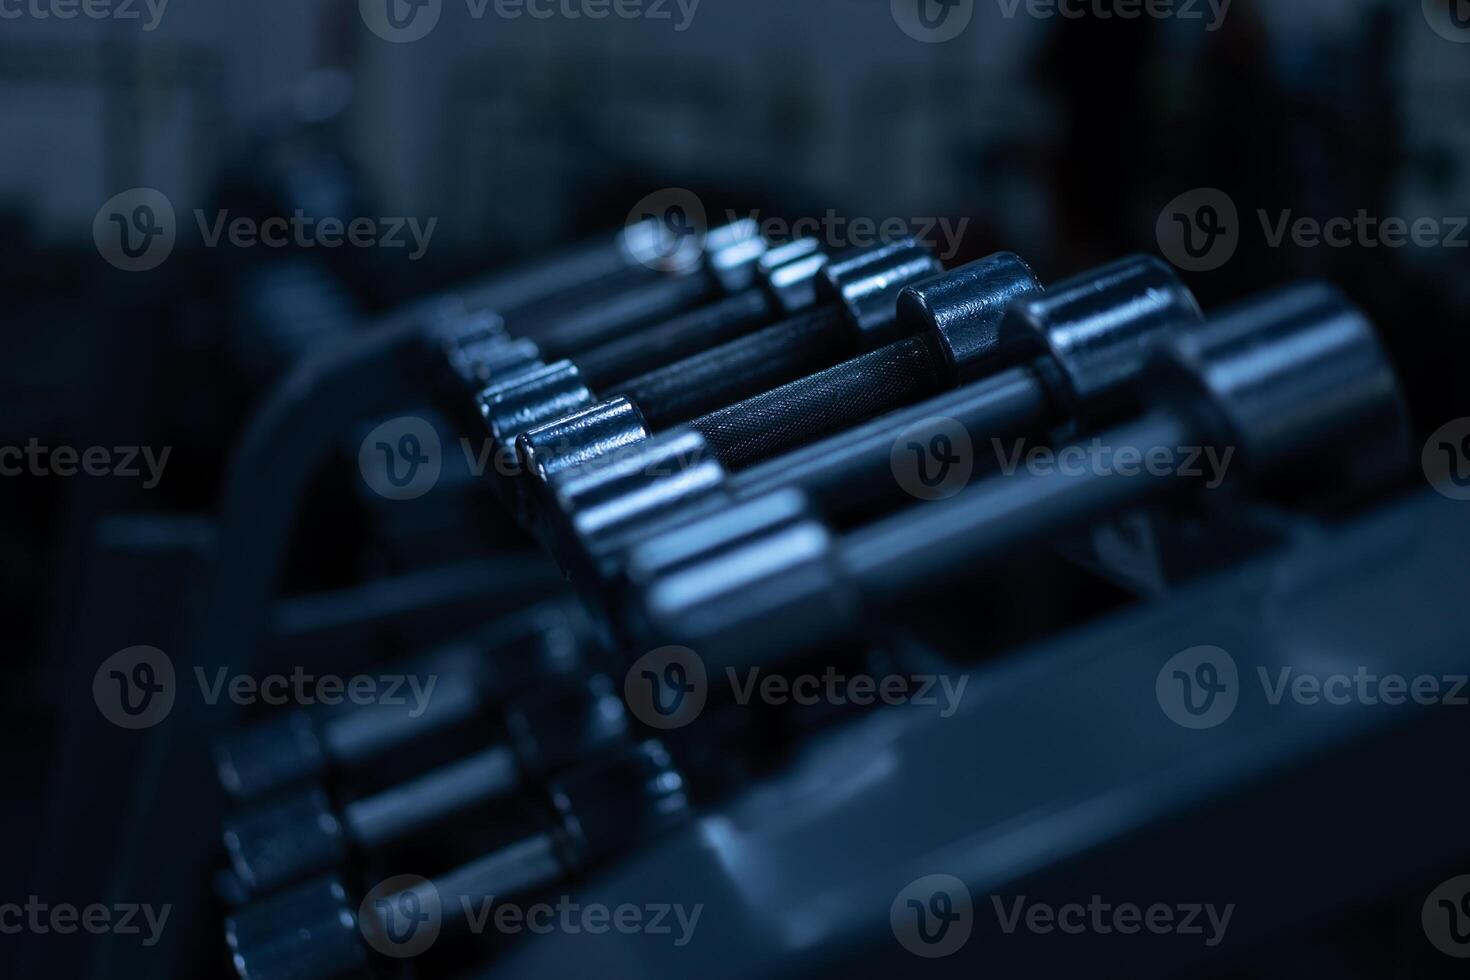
(1063, 139)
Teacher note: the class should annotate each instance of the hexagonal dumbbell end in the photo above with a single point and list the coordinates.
(620, 802)
(568, 726)
(766, 561)
(789, 274)
(1093, 335)
(308, 933)
(866, 284)
(1297, 381)
(593, 503)
(961, 311)
(268, 756)
(284, 841)
(551, 392)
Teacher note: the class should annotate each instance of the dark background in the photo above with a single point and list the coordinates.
(1060, 139)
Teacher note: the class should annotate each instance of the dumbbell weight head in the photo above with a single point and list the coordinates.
(960, 321)
(309, 932)
(863, 285)
(314, 931)
(1089, 338)
(1295, 380)
(1094, 335)
(1287, 380)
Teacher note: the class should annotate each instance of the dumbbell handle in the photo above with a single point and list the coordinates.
(828, 401)
(854, 469)
(408, 807)
(758, 362)
(517, 869)
(573, 332)
(930, 544)
(684, 336)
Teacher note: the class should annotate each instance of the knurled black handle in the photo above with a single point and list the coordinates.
(762, 361)
(572, 333)
(824, 403)
(673, 340)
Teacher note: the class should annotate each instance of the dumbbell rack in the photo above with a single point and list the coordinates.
(798, 849)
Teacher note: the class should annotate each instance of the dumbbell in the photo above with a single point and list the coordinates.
(484, 344)
(487, 670)
(855, 312)
(281, 842)
(326, 929)
(1068, 358)
(935, 353)
(1295, 381)
(725, 264)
